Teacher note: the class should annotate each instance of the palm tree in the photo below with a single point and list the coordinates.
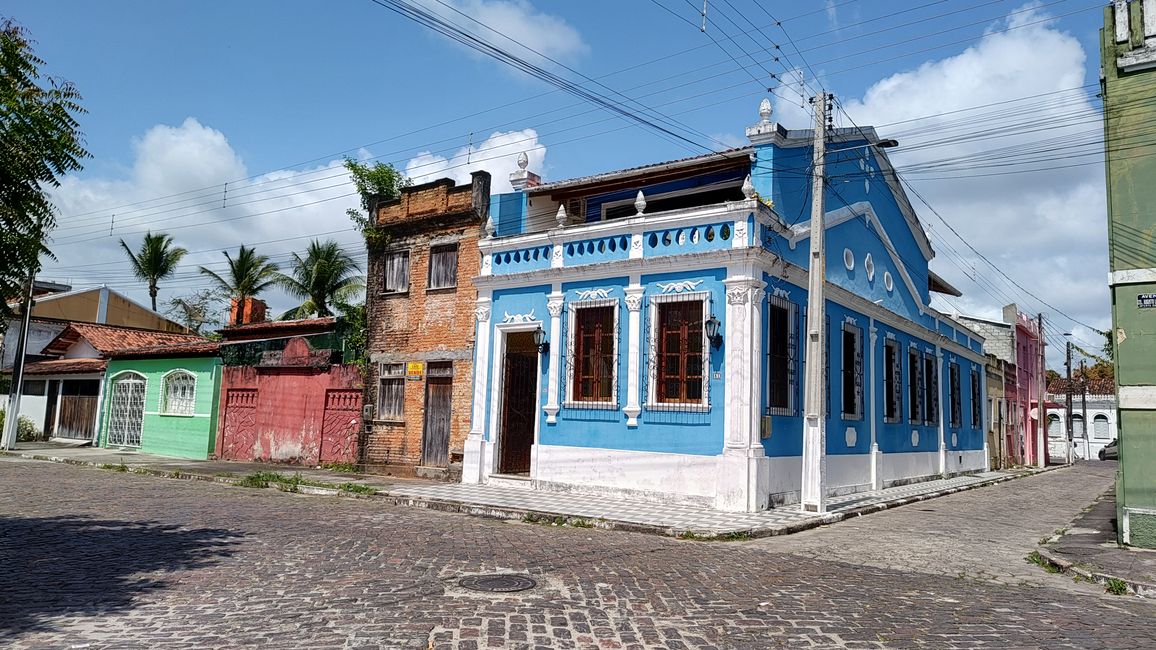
(156, 260)
(326, 277)
(249, 274)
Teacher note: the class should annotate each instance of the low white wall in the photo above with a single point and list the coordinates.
(911, 465)
(653, 476)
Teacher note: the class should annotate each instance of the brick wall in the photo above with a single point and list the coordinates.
(424, 325)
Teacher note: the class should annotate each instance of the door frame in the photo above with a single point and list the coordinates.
(429, 381)
(497, 370)
(144, 403)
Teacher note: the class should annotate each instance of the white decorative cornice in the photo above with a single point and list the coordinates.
(593, 294)
(679, 287)
(779, 292)
(518, 318)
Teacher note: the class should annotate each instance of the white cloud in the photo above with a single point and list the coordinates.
(498, 155)
(832, 14)
(1047, 230)
(190, 166)
(519, 21)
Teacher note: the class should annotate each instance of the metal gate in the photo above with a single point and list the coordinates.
(339, 426)
(519, 410)
(126, 411)
(439, 392)
(240, 431)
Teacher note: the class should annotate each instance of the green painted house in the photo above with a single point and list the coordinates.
(162, 400)
(1128, 65)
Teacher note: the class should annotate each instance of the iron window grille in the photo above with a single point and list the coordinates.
(852, 372)
(1077, 425)
(915, 388)
(782, 355)
(443, 266)
(976, 404)
(179, 393)
(591, 355)
(391, 391)
(1055, 429)
(930, 389)
(892, 382)
(955, 391)
(126, 410)
(1100, 426)
(396, 272)
(678, 368)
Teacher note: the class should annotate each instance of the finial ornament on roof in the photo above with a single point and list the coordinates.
(490, 229)
(640, 202)
(562, 217)
(523, 160)
(748, 188)
(765, 110)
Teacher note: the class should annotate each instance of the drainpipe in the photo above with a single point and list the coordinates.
(876, 475)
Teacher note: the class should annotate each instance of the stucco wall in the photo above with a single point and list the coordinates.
(183, 436)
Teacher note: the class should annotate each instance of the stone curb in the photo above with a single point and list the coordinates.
(543, 516)
(1141, 589)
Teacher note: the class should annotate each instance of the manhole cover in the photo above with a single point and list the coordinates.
(498, 582)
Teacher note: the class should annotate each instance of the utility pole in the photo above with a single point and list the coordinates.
(1084, 407)
(12, 420)
(1068, 401)
(814, 488)
(1042, 379)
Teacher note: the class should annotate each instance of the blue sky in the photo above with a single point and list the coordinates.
(183, 97)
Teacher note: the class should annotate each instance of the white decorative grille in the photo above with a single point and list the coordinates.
(126, 411)
(180, 393)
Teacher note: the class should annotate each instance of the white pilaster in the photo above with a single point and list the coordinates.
(636, 246)
(871, 410)
(472, 458)
(944, 411)
(634, 353)
(554, 306)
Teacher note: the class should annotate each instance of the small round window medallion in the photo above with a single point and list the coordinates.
(498, 582)
(851, 436)
(848, 259)
(954, 440)
(888, 283)
(869, 267)
(915, 438)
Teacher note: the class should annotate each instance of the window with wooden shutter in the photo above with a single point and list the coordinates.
(681, 370)
(594, 364)
(391, 392)
(852, 372)
(782, 356)
(976, 404)
(443, 267)
(892, 382)
(954, 392)
(930, 390)
(396, 272)
(914, 386)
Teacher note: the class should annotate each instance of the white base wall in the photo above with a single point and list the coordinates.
(652, 476)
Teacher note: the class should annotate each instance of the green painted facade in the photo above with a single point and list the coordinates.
(1129, 93)
(184, 436)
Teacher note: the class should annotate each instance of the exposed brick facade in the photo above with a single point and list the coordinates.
(424, 325)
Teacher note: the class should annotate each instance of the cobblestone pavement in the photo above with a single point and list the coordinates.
(100, 559)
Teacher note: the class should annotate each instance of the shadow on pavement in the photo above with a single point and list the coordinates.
(58, 566)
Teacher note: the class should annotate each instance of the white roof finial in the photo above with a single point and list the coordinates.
(523, 160)
(640, 202)
(490, 229)
(748, 188)
(765, 110)
(562, 217)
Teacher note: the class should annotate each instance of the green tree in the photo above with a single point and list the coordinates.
(376, 182)
(39, 142)
(249, 274)
(156, 260)
(326, 277)
(198, 310)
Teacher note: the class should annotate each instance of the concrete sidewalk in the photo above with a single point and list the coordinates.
(524, 503)
(1088, 548)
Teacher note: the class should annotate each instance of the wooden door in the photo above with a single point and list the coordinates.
(519, 410)
(50, 411)
(77, 409)
(435, 439)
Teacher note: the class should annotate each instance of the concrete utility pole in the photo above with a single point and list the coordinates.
(1042, 378)
(1068, 401)
(814, 489)
(12, 419)
(1084, 407)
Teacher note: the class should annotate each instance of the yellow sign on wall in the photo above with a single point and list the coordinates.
(414, 370)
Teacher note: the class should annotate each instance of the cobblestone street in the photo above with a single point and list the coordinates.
(96, 558)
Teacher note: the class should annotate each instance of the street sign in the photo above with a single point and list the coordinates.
(1146, 301)
(414, 370)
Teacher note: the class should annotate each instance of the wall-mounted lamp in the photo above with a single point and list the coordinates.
(540, 340)
(712, 331)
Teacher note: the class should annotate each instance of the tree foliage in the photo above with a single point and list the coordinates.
(156, 260)
(375, 183)
(40, 141)
(325, 277)
(249, 274)
(200, 310)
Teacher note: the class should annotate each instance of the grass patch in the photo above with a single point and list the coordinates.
(735, 536)
(176, 473)
(116, 468)
(263, 479)
(344, 468)
(1116, 587)
(580, 523)
(357, 488)
(1035, 558)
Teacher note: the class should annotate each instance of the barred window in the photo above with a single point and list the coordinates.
(391, 392)
(178, 393)
(443, 266)
(955, 390)
(594, 359)
(680, 352)
(892, 382)
(852, 372)
(396, 272)
(1100, 426)
(782, 355)
(915, 390)
(930, 389)
(976, 404)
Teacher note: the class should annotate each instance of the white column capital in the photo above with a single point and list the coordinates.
(554, 304)
(634, 297)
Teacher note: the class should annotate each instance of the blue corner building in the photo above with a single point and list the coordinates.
(641, 332)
